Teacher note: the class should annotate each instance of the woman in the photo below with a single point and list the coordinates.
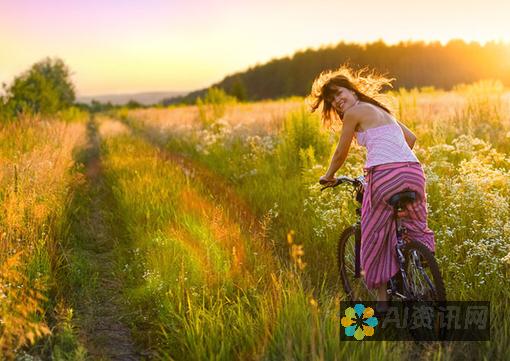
(391, 166)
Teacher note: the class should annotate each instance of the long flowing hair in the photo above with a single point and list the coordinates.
(364, 83)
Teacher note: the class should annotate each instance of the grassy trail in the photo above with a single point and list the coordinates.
(220, 190)
(219, 201)
(221, 197)
(100, 313)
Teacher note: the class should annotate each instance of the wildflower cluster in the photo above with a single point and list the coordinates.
(469, 210)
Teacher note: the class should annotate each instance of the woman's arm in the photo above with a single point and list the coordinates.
(408, 135)
(342, 150)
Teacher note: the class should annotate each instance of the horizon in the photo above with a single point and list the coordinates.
(134, 47)
(147, 91)
(507, 43)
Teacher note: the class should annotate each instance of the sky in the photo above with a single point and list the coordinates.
(128, 46)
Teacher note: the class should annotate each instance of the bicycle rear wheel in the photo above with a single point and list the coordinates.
(426, 292)
(354, 287)
(424, 281)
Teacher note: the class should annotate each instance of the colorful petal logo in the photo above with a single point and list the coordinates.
(359, 321)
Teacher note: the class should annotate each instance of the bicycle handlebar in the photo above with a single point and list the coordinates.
(359, 181)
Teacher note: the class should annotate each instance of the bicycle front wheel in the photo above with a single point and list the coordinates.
(354, 285)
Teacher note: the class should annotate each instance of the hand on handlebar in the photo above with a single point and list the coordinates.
(327, 181)
(333, 182)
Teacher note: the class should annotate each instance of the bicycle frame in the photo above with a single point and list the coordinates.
(402, 238)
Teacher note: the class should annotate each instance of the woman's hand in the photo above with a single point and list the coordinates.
(326, 180)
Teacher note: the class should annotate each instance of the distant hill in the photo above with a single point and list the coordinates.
(413, 64)
(142, 98)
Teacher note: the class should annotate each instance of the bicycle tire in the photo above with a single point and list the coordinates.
(430, 268)
(355, 288)
(435, 298)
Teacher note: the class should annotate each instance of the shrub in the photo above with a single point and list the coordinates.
(45, 88)
(303, 141)
(213, 106)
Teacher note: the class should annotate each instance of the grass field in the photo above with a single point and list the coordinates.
(200, 233)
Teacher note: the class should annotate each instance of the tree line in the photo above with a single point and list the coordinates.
(46, 87)
(412, 64)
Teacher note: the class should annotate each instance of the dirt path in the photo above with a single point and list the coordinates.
(99, 310)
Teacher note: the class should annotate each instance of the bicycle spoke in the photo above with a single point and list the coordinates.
(416, 275)
(420, 283)
(415, 278)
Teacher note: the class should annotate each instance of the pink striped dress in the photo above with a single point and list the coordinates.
(391, 167)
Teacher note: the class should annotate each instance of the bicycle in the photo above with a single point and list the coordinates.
(418, 278)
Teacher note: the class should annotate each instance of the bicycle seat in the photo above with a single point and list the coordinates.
(402, 198)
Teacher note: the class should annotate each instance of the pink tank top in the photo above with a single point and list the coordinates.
(385, 144)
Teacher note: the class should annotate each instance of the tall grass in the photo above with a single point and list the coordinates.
(259, 118)
(36, 161)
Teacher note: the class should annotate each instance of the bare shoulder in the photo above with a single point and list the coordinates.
(361, 111)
